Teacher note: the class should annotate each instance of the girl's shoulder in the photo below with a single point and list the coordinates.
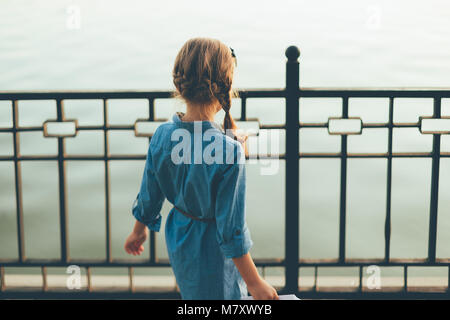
(162, 131)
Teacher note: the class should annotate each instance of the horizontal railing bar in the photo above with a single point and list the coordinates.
(272, 126)
(121, 94)
(111, 157)
(262, 126)
(370, 155)
(84, 263)
(85, 94)
(375, 92)
(364, 125)
(253, 157)
(113, 263)
(86, 294)
(262, 93)
(259, 262)
(98, 127)
(331, 293)
(119, 127)
(74, 157)
(256, 157)
(304, 292)
(248, 93)
(379, 262)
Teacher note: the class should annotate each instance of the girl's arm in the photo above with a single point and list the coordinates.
(257, 286)
(134, 242)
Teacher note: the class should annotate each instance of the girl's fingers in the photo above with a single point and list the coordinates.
(134, 247)
(130, 248)
(140, 250)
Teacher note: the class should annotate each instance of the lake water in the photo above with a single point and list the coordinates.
(132, 45)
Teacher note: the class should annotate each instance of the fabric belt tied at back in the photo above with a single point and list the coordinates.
(192, 217)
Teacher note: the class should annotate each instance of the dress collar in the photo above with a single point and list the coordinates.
(190, 124)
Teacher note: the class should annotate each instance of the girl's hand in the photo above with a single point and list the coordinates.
(133, 244)
(262, 290)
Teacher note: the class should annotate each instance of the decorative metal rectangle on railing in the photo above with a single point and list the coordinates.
(66, 128)
(430, 125)
(146, 128)
(345, 126)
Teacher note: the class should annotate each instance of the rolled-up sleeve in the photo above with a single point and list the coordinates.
(233, 234)
(147, 205)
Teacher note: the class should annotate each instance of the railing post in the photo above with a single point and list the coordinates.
(62, 189)
(436, 154)
(18, 182)
(343, 187)
(292, 170)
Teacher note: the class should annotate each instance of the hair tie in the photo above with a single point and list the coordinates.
(234, 56)
(232, 53)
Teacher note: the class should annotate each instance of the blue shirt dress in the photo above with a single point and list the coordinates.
(199, 251)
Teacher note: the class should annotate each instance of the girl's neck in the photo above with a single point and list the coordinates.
(200, 113)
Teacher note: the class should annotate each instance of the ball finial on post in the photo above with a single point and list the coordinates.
(292, 53)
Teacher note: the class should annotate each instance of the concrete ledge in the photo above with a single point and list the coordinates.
(153, 283)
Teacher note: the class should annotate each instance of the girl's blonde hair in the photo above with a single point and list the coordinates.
(203, 73)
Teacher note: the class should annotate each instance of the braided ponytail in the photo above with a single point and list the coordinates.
(223, 95)
(229, 125)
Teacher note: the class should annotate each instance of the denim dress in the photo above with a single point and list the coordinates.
(201, 171)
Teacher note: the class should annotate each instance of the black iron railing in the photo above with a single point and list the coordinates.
(293, 124)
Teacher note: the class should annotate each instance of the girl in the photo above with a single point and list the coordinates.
(207, 237)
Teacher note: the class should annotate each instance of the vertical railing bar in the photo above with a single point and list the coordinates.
(448, 279)
(89, 279)
(44, 278)
(62, 188)
(343, 189)
(387, 225)
(152, 246)
(315, 278)
(436, 154)
(2, 279)
(243, 107)
(360, 278)
(292, 174)
(130, 279)
(405, 278)
(151, 111)
(107, 181)
(18, 182)
(152, 240)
